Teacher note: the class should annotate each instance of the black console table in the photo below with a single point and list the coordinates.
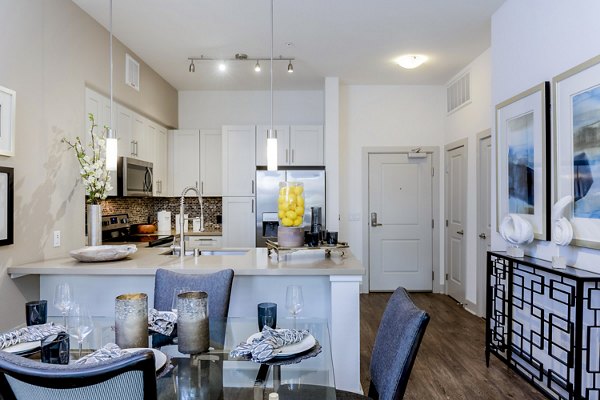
(545, 324)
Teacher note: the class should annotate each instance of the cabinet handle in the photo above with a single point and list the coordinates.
(136, 149)
(286, 155)
(252, 206)
(202, 187)
(196, 184)
(252, 186)
(132, 148)
(292, 156)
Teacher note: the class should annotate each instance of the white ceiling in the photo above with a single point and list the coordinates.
(355, 40)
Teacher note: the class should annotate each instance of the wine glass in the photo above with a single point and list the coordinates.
(63, 299)
(294, 300)
(80, 324)
(176, 292)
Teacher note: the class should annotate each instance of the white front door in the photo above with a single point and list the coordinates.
(456, 200)
(484, 191)
(400, 218)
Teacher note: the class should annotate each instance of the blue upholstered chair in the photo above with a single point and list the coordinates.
(218, 287)
(398, 339)
(130, 377)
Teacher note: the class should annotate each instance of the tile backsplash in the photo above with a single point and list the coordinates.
(139, 208)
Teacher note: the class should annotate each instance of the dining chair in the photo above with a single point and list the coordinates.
(396, 345)
(131, 377)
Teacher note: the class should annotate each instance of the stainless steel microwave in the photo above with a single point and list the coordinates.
(134, 177)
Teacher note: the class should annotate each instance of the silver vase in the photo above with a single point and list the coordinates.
(94, 224)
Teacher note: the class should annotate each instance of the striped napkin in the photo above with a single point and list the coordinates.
(162, 322)
(29, 334)
(268, 344)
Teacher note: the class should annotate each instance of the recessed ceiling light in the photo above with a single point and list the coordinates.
(222, 67)
(410, 61)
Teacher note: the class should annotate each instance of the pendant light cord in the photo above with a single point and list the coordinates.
(272, 13)
(110, 132)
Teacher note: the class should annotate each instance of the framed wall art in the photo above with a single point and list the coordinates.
(7, 121)
(522, 158)
(6, 206)
(577, 148)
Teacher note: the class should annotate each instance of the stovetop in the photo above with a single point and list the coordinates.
(116, 228)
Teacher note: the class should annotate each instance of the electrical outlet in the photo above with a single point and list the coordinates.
(56, 238)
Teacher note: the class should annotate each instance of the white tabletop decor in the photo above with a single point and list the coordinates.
(517, 231)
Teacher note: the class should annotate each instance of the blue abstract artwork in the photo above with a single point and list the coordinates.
(521, 164)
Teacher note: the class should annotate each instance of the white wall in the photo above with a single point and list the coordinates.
(373, 116)
(467, 122)
(533, 41)
(212, 109)
(50, 51)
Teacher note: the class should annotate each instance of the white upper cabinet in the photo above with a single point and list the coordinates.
(239, 165)
(283, 144)
(160, 162)
(124, 127)
(142, 138)
(185, 157)
(306, 145)
(300, 145)
(211, 160)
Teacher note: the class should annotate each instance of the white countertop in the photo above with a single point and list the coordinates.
(255, 262)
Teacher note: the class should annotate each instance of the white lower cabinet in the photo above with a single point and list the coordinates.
(239, 220)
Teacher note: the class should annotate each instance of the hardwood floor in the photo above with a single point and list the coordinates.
(451, 360)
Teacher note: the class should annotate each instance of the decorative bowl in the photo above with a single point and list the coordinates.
(103, 253)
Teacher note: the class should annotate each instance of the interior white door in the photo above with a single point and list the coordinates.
(484, 221)
(456, 174)
(400, 233)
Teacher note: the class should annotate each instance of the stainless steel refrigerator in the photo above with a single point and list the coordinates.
(267, 193)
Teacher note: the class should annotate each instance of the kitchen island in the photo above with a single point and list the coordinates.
(330, 286)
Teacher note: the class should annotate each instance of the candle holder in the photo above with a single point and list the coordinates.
(192, 322)
(131, 320)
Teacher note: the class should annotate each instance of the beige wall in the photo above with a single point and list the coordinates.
(50, 50)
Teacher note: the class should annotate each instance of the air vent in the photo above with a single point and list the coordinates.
(458, 92)
(132, 72)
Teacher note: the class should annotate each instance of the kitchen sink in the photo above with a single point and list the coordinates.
(172, 252)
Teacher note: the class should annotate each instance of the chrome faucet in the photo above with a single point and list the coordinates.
(182, 219)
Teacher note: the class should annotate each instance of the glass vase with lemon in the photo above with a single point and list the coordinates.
(291, 214)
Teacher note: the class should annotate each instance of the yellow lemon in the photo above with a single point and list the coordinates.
(298, 190)
(299, 210)
(284, 207)
(298, 221)
(281, 214)
(283, 191)
(300, 201)
(291, 215)
(286, 222)
(281, 199)
(291, 198)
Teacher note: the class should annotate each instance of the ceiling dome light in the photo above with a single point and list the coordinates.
(257, 66)
(410, 61)
(290, 67)
(192, 67)
(222, 67)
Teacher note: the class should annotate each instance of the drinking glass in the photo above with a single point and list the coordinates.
(294, 300)
(63, 300)
(80, 324)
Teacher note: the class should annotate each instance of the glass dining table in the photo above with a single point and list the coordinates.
(216, 375)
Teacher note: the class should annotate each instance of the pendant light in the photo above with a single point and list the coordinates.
(111, 136)
(271, 133)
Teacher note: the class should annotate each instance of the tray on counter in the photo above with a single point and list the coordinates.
(273, 247)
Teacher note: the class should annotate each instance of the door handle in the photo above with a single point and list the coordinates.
(292, 156)
(460, 232)
(252, 186)
(374, 219)
(483, 235)
(286, 155)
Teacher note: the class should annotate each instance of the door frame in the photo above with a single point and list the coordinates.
(481, 270)
(437, 287)
(451, 146)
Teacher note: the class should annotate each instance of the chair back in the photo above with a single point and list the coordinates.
(131, 377)
(217, 285)
(396, 345)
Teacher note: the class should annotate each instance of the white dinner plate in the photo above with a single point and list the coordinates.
(160, 358)
(291, 349)
(23, 347)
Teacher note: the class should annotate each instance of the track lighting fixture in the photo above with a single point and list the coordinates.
(222, 66)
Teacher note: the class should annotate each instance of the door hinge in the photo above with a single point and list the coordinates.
(432, 224)
(446, 276)
(446, 223)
